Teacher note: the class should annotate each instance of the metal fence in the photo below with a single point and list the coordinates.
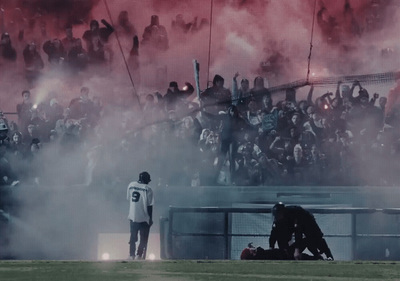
(221, 233)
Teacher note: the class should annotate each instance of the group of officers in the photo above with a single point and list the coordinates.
(291, 222)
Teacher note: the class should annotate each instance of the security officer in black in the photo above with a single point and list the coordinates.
(289, 220)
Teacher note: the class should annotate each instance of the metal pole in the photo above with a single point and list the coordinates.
(209, 42)
(170, 225)
(163, 246)
(353, 235)
(226, 226)
(123, 56)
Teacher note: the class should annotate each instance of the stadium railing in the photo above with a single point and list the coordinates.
(213, 232)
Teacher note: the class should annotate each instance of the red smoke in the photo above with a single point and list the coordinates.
(253, 37)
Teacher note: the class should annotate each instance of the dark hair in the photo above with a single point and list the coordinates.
(17, 133)
(144, 177)
(363, 93)
(154, 20)
(25, 91)
(173, 84)
(94, 22)
(4, 35)
(217, 78)
(35, 141)
(257, 78)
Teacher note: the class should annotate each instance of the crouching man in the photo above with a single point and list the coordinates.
(289, 220)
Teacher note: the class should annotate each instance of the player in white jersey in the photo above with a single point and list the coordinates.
(140, 197)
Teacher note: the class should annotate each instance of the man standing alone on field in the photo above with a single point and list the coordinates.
(140, 197)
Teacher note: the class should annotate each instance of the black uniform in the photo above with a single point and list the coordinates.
(300, 222)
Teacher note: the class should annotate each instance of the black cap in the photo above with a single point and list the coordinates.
(278, 209)
(144, 177)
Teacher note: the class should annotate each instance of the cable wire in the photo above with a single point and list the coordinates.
(311, 42)
(123, 56)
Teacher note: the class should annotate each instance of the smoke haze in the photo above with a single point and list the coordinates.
(270, 38)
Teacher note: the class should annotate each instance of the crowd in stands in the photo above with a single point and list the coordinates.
(239, 136)
(248, 140)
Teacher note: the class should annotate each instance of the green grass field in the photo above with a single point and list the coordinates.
(180, 270)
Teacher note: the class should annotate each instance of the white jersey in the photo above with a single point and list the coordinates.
(140, 197)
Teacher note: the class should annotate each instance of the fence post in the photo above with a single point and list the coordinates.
(226, 236)
(170, 232)
(353, 235)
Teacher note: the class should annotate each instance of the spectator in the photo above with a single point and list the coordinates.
(179, 25)
(12, 128)
(24, 111)
(17, 147)
(81, 107)
(281, 149)
(69, 40)
(364, 119)
(4, 132)
(271, 170)
(211, 160)
(232, 130)
(7, 174)
(95, 39)
(191, 129)
(175, 99)
(134, 54)
(77, 56)
(302, 110)
(248, 169)
(240, 96)
(71, 138)
(8, 52)
(217, 98)
(329, 26)
(291, 95)
(33, 62)
(259, 91)
(124, 26)
(54, 112)
(44, 125)
(203, 140)
(31, 134)
(253, 115)
(55, 51)
(382, 110)
(317, 166)
(155, 35)
(248, 143)
(269, 121)
(267, 103)
(60, 123)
